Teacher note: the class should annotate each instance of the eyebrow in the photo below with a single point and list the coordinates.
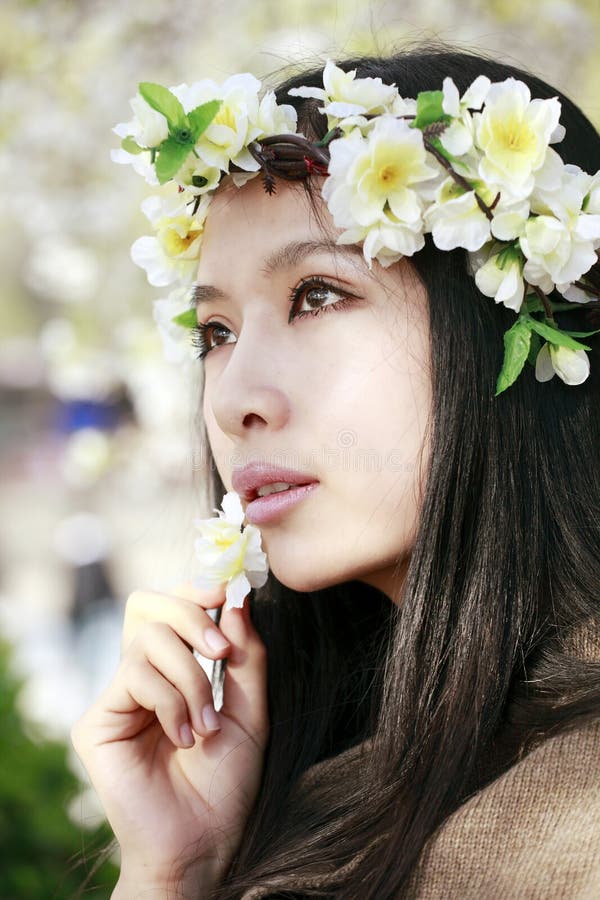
(284, 257)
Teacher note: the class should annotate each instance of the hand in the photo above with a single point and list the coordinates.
(171, 797)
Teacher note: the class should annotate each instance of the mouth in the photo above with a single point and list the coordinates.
(255, 481)
(270, 507)
(277, 487)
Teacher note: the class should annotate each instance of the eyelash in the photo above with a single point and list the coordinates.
(200, 332)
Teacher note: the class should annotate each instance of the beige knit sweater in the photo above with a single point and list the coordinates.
(531, 834)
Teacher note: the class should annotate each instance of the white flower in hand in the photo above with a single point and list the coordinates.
(573, 366)
(229, 555)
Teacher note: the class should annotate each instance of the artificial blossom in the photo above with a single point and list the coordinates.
(476, 172)
(229, 553)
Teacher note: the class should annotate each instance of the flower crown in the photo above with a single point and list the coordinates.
(476, 172)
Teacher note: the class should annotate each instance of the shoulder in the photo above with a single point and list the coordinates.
(533, 833)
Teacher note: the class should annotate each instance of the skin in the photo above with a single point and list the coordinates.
(344, 395)
(314, 394)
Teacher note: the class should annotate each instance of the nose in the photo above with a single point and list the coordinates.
(247, 393)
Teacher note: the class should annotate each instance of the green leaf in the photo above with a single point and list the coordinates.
(130, 145)
(331, 135)
(582, 333)
(437, 145)
(429, 109)
(170, 159)
(533, 303)
(536, 346)
(509, 254)
(555, 336)
(201, 117)
(163, 101)
(187, 319)
(517, 342)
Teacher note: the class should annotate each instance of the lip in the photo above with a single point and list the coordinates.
(267, 509)
(248, 479)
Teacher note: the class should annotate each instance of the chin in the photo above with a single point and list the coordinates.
(304, 582)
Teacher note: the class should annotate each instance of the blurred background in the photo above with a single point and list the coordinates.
(99, 456)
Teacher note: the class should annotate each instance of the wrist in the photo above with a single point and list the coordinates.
(139, 882)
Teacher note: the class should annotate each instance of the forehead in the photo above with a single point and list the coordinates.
(248, 219)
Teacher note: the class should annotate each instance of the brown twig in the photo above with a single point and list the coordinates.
(459, 179)
(544, 299)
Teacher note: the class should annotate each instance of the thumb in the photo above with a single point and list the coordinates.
(245, 680)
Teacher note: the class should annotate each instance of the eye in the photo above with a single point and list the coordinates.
(314, 291)
(201, 337)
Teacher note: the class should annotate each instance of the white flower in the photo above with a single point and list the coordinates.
(401, 107)
(574, 198)
(274, 118)
(455, 219)
(509, 219)
(226, 139)
(370, 175)
(229, 555)
(514, 132)
(372, 189)
(457, 139)
(343, 94)
(500, 277)
(574, 294)
(175, 338)
(552, 248)
(173, 254)
(140, 163)
(387, 240)
(148, 128)
(573, 366)
(196, 177)
(592, 200)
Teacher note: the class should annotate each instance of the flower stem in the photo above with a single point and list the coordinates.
(464, 184)
(544, 299)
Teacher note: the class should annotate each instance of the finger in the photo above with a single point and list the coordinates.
(185, 617)
(140, 685)
(207, 598)
(245, 679)
(164, 650)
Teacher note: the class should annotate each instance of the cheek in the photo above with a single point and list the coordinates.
(219, 445)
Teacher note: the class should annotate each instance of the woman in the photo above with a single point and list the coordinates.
(411, 703)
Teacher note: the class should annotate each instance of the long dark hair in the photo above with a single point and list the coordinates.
(472, 669)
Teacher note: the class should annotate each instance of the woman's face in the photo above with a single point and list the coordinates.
(343, 396)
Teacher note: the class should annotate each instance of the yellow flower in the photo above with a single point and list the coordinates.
(173, 253)
(369, 176)
(514, 133)
(229, 555)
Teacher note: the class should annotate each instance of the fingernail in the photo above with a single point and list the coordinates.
(187, 738)
(210, 718)
(215, 640)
